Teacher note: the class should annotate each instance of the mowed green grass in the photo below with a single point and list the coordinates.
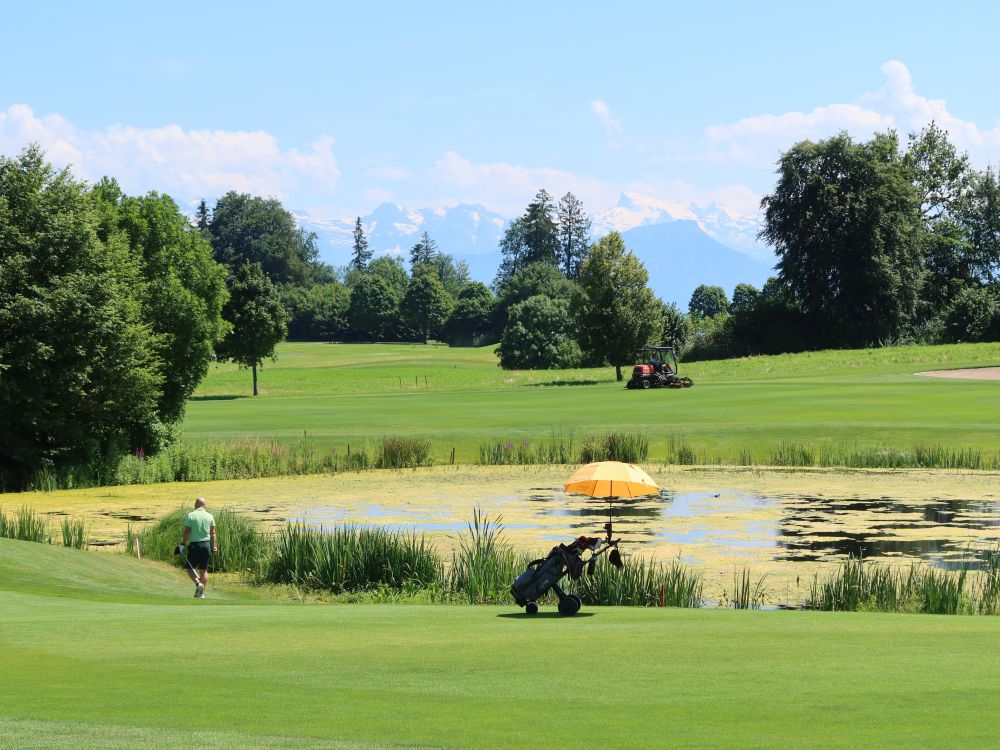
(111, 661)
(458, 398)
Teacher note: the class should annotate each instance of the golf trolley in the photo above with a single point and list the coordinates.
(566, 559)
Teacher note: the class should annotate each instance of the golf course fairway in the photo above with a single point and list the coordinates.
(740, 410)
(106, 651)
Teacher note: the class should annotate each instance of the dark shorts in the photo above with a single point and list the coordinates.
(199, 553)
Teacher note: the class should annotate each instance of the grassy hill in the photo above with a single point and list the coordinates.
(105, 652)
(458, 398)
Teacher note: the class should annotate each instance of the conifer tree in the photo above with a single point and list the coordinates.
(574, 235)
(423, 252)
(362, 255)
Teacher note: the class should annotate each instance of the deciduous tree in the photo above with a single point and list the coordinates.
(539, 336)
(259, 321)
(617, 314)
(79, 376)
(845, 223)
(183, 289)
(426, 304)
(708, 301)
(247, 229)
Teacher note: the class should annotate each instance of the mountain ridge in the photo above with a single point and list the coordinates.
(669, 238)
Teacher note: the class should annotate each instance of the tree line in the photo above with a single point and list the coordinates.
(877, 243)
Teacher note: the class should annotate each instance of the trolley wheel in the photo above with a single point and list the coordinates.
(570, 605)
(531, 608)
(646, 383)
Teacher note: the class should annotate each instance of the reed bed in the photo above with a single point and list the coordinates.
(25, 525)
(746, 593)
(485, 565)
(254, 458)
(402, 453)
(615, 446)
(862, 585)
(640, 583)
(75, 534)
(558, 449)
(679, 452)
(352, 558)
(240, 459)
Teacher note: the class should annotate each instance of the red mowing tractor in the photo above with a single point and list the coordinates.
(658, 369)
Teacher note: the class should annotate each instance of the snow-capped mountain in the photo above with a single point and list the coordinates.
(681, 246)
(723, 225)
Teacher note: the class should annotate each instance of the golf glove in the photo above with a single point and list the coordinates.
(180, 549)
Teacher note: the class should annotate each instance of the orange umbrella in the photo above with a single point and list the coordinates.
(611, 479)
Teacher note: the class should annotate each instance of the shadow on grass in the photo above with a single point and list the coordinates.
(216, 398)
(566, 382)
(544, 616)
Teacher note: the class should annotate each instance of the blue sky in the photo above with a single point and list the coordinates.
(335, 108)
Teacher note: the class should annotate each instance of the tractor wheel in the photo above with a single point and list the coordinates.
(646, 383)
(531, 608)
(569, 605)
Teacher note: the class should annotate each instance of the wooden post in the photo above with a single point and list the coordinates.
(453, 456)
(138, 550)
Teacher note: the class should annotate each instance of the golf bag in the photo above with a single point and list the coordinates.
(545, 573)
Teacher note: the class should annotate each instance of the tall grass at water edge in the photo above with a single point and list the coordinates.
(863, 585)
(746, 593)
(352, 558)
(26, 525)
(875, 457)
(75, 534)
(402, 453)
(255, 459)
(485, 565)
(640, 583)
(559, 449)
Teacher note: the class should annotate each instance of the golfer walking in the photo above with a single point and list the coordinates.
(200, 542)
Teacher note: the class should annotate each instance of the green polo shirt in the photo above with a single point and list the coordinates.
(201, 523)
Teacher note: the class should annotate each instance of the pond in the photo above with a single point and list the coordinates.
(708, 527)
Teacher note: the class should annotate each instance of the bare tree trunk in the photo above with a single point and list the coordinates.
(254, 368)
(618, 372)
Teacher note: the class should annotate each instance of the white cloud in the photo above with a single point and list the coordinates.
(508, 188)
(185, 163)
(759, 140)
(611, 124)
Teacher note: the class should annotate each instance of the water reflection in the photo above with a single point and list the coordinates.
(937, 531)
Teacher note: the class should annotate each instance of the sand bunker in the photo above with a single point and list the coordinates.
(972, 373)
